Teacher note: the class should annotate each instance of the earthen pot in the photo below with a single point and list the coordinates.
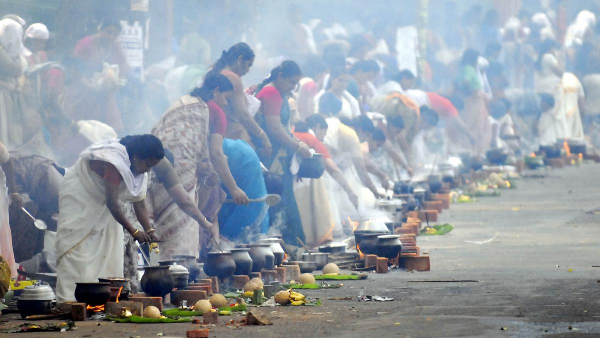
(190, 263)
(276, 248)
(93, 294)
(219, 264)
(368, 244)
(157, 281)
(388, 246)
(119, 282)
(243, 261)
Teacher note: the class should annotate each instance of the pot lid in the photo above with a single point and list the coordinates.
(177, 269)
(388, 236)
(38, 292)
(386, 202)
(419, 191)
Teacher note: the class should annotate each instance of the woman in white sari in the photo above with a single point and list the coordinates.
(89, 239)
(8, 188)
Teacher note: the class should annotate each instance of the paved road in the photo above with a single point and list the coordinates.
(531, 253)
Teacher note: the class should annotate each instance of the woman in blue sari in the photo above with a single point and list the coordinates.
(242, 221)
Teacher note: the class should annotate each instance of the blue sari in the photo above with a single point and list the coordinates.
(243, 221)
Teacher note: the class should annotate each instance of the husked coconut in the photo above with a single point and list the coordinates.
(250, 286)
(218, 300)
(258, 282)
(282, 297)
(203, 305)
(330, 269)
(152, 312)
(307, 278)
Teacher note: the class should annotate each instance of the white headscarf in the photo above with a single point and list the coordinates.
(11, 37)
(37, 31)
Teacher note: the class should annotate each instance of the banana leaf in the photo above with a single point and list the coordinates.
(142, 320)
(223, 311)
(340, 277)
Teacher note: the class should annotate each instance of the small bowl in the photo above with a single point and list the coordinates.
(305, 267)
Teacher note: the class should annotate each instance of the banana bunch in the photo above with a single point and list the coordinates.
(154, 246)
(297, 298)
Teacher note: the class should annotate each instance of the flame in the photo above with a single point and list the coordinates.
(353, 224)
(285, 256)
(99, 308)
(119, 294)
(361, 256)
(567, 149)
(532, 155)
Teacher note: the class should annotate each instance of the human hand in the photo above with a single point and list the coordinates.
(239, 196)
(266, 148)
(212, 179)
(304, 151)
(16, 198)
(410, 171)
(153, 237)
(141, 237)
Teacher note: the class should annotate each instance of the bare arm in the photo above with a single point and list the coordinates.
(461, 126)
(11, 183)
(338, 176)
(219, 161)
(185, 203)
(112, 203)
(396, 157)
(282, 137)
(363, 174)
(373, 169)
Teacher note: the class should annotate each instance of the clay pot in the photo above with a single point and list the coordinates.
(269, 256)
(368, 243)
(157, 281)
(219, 264)
(243, 261)
(435, 183)
(118, 282)
(388, 246)
(93, 294)
(261, 253)
(276, 248)
(189, 262)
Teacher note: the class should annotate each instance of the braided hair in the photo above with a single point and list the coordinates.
(230, 56)
(143, 147)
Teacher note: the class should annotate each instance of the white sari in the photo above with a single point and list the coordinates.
(89, 241)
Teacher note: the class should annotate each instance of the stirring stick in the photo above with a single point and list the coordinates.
(302, 243)
(143, 253)
(216, 243)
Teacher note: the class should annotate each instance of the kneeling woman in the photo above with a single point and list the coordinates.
(89, 239)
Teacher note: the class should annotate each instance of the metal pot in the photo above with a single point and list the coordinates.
(243, 261)
(403, 188)
(389, 205)
(219, 264)
(180, 275)
(258, 257)
(265, 250)
(189, 262)
(368, 243)
(36, 300)
(388, 246)
(435, 183)
(157, 281)
(276, 248)
(118, 282)
(305, 267)
(371, 225)
(321, 258)
(93, 294)
(333, 248)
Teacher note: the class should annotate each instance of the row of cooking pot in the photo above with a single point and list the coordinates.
(373, 237)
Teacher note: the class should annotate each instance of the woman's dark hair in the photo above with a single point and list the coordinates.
(396, 121)
(469, 57)
(329, 104)
(545, 47)
(337, 72)
(231, 55)
(301, 127)
(378, 135)
(287, 69)
(108, 22)
(212, 82)
(316, 120)
(429, 115)
(363, 123)
(143, 147)
(357, 42)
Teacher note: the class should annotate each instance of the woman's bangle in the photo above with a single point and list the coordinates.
(14, 193)
(135, 232)
(151, 231)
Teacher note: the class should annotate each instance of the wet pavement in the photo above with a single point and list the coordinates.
(519, 265)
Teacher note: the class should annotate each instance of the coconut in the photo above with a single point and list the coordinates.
(218, 300)
(152, 312)
(307, 278)
(282, 297)
(203, 305)
(258, 282)
(331, 268)
(250, 286)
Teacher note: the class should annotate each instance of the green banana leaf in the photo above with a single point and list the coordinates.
(340, 277)
(223, 311)
(142, 320)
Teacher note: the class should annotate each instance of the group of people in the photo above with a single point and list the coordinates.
(330, 132)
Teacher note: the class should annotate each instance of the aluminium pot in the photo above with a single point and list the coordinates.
(157, 281)
(219, 264)
(243, 261)
(36, 300)
(276, 248)
(264, 250)
(321, 258)
(93, 294)
(119, 282)
(190, 263)
(258, 257)
(180, 275)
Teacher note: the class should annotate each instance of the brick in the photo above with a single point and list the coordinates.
(206, 288)
(78, 312)
(412, 214)
(204, 333)
(269, 276)
(404, 230)
(280, 274)
(147, 301)
(292, 272)
(237, 282)
(211, 317)
(415, 263)
(555, 162)
(191, 296)
(428, 215)
(370, 261)
(115, 309)
(433, 205)
(215, 284)
(255, 275)
(382, 265)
